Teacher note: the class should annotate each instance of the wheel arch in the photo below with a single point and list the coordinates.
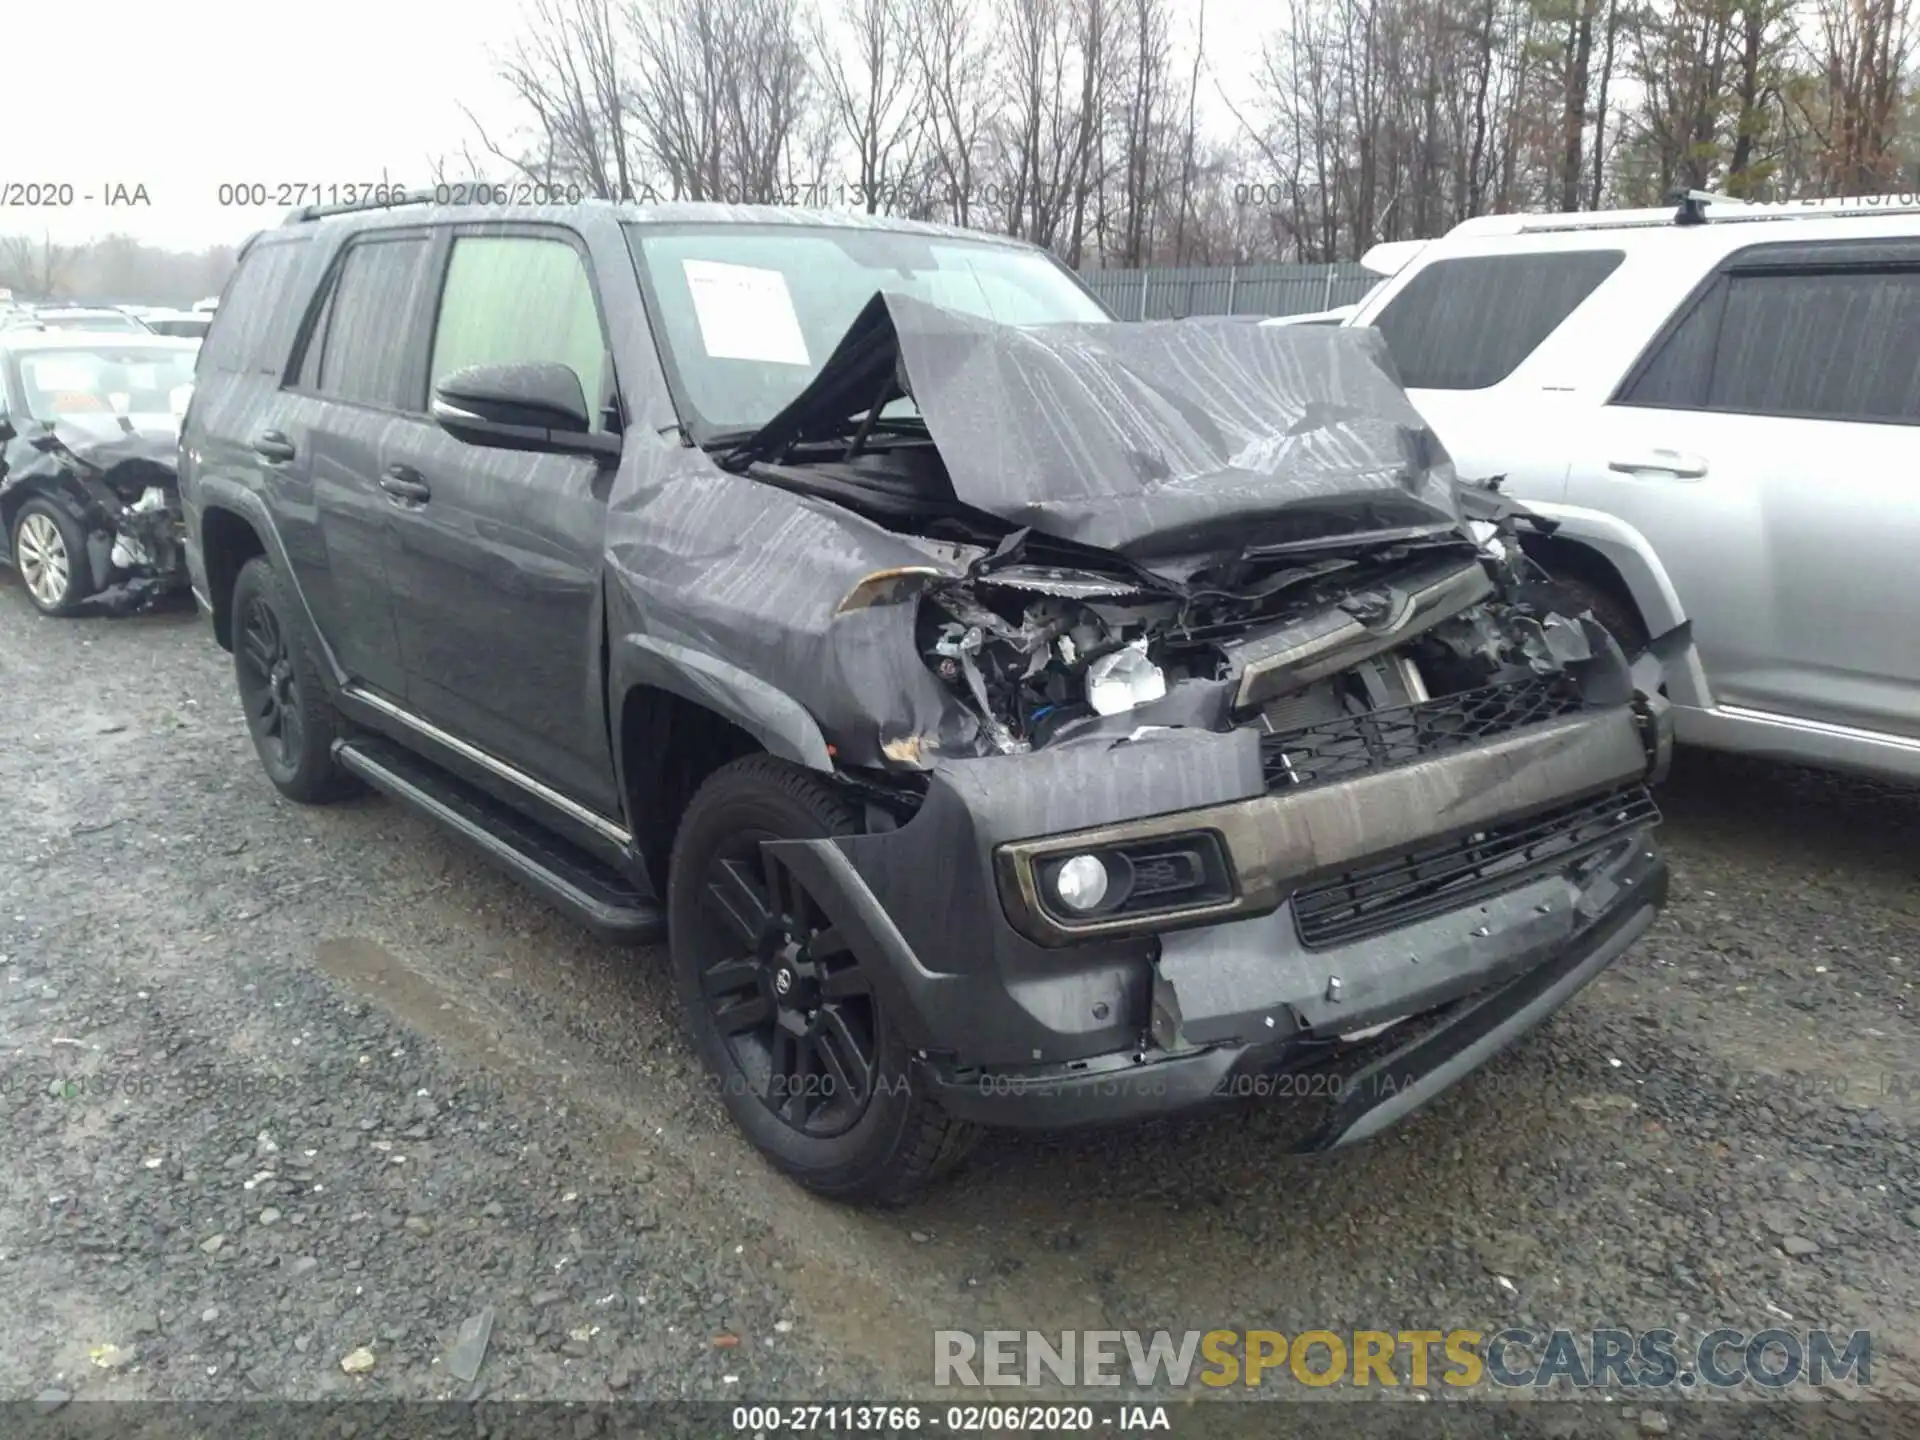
(228, 540)
(680, 714)
(1608, 552)
(220, 495)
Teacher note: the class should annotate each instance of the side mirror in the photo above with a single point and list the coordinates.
(535, 406)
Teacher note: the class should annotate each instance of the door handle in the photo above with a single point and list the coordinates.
(403, 482)
(273, 447)
(1661, 462)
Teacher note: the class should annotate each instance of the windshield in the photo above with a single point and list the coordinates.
(107, 320)
(104, 380)
(748, 313)
(192, 325)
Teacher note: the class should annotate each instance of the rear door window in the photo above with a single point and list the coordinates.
(1468, 323)
(1838, 345)
(1779, 333)
(519, 299)
(365, 353)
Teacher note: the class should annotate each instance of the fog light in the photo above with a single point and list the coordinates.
(1081, 882)
(1124, 679)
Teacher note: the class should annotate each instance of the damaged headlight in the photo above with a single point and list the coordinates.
(1118, 681)
(1032, 651)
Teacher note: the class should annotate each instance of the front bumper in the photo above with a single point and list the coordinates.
(1344, 1091)
(1014, 1024)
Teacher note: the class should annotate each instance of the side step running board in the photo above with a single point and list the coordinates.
(566, 876)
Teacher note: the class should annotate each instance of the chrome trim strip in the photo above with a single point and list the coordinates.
(1820, 727)
(1293, 655)
(1280, 840)
(571, 809)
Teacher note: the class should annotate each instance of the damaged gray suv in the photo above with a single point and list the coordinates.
(1008, 716)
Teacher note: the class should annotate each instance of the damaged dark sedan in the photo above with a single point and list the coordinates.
(1008, 717)
(89, 495)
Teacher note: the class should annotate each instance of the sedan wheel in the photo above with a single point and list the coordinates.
(41, 553)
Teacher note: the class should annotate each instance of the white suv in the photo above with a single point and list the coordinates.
(1720, 404)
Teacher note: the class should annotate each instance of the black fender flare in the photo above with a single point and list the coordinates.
(214, 492)
(780, 723)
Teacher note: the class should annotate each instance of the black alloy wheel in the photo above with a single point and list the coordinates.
(785, 994)
(793, 1020)
(269, 683)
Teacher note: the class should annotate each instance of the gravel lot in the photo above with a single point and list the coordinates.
(284, 1084)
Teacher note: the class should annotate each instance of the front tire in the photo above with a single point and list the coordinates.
(786, 1017)
(50, 556)
(1614, 612)
(292, 723)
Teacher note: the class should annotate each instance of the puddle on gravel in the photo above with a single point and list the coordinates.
(827, 1253)
(376, 972)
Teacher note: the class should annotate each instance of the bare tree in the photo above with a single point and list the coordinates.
(951, 57)
(1192, 130)
(34, 268)
(867, 75)
(111, 267)
(1066, 121)
(567, 71)
(1861, 51)
(1143, 127)
(721, 87)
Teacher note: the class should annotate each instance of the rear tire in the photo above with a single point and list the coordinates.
(292, 723)
(50, 556)
(810, 1067)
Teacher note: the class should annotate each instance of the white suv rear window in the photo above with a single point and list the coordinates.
(1467, 323)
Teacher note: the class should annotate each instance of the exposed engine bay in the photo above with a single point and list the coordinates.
(1043, 654)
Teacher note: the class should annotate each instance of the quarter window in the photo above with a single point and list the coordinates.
(521, 299)
(1468, 323)
(243, 326)
(364, 343)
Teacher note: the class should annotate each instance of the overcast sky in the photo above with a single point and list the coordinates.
(183, 97)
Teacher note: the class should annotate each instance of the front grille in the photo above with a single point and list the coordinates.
(1382, 739)
(1453, 873)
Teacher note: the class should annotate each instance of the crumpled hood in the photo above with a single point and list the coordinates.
(104, 441)
(1151, 438)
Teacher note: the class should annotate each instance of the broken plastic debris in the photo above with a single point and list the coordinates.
(470, 1349)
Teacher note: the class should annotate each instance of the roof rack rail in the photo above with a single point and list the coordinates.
(1693, 205)
(1699, 207)
(380, 199)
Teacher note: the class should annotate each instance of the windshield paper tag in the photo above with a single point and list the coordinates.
(745, 313)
